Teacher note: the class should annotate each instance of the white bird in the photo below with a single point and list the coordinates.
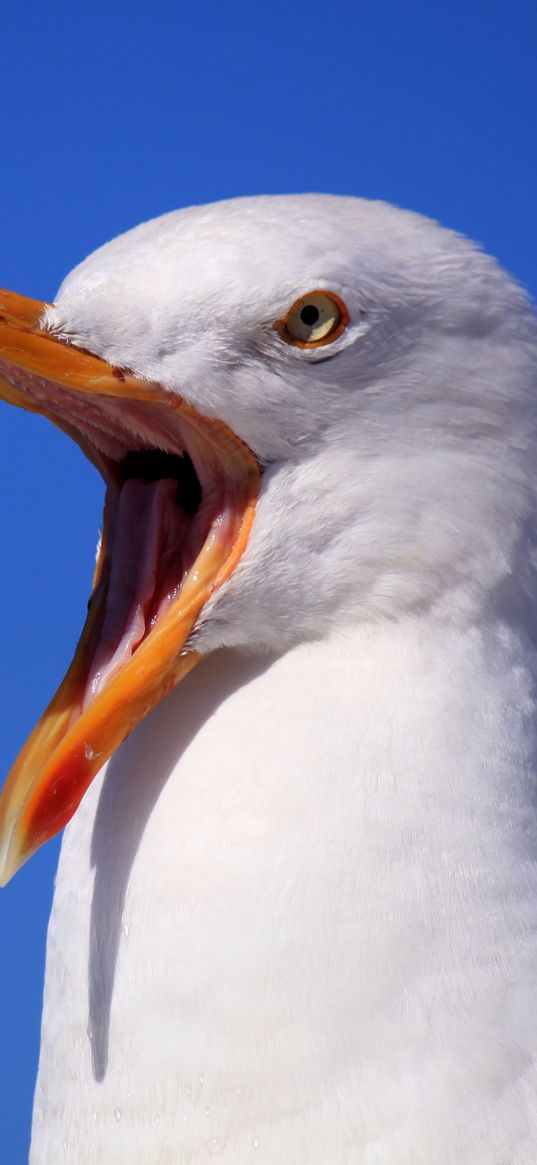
(295, 919)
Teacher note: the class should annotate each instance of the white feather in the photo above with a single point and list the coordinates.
(299, 911)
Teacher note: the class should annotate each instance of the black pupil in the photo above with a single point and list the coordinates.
(309, 315)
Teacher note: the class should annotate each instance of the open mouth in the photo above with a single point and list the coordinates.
(155, 532)
(180, 497)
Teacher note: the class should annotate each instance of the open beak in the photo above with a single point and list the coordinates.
(180, 499)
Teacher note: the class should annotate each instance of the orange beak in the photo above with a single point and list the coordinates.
(146, 599)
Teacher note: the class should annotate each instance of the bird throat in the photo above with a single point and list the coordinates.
(153, 541)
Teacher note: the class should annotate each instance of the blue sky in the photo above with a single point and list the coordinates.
(113, 113)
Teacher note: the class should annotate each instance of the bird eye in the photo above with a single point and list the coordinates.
(314, 319)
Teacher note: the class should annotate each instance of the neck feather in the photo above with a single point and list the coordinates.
(328, 895)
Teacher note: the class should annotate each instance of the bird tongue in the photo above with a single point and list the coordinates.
(149, 558)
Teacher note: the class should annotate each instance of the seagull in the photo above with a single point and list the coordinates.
(295, 916)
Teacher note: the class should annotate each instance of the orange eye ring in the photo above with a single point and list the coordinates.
(314, 320)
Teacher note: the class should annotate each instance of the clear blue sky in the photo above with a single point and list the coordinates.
(113, 113)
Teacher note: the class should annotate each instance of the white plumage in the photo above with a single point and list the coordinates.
(296, 919)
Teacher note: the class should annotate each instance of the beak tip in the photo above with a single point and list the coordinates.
(8, 866)
(13, 852)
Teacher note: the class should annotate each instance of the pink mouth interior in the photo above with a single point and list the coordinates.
(164, 495)
(155, 528)
(153, 543)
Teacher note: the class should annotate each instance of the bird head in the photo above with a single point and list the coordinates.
(309, 411)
